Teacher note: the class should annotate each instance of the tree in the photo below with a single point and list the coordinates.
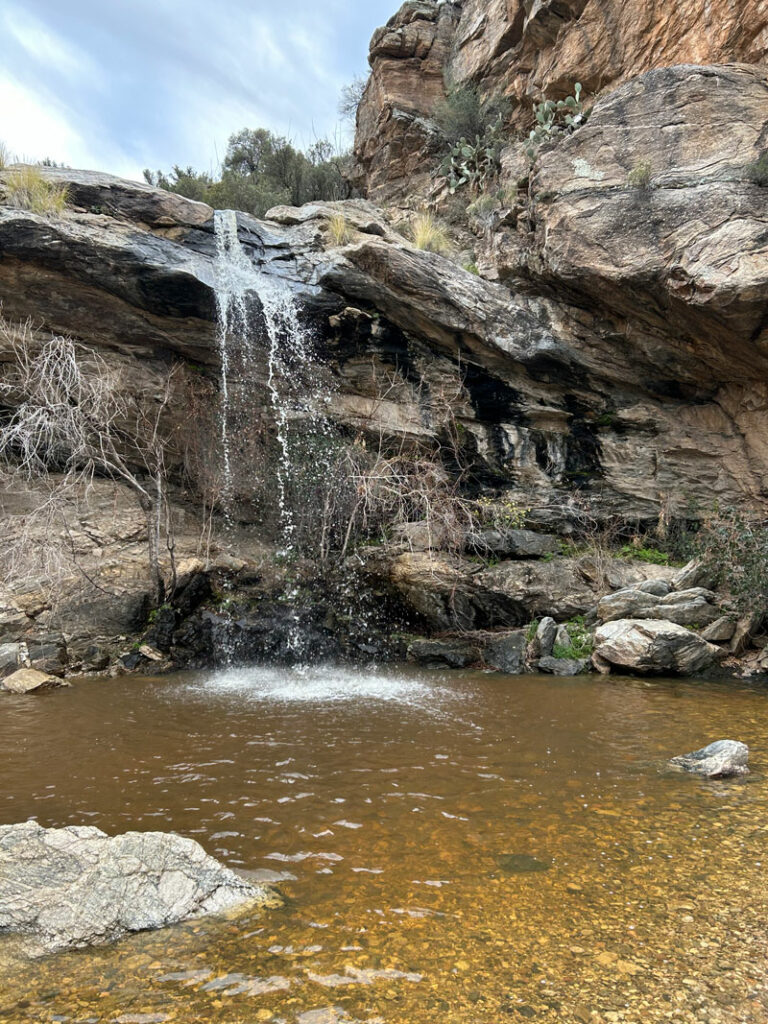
(71, 417)
(351, 96)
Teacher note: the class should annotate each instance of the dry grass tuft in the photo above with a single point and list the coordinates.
(338, 229)
(428, 234)
(5, 155)
(27, 189)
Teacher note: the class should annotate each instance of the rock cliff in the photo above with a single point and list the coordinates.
(606, 365)
(526, 49)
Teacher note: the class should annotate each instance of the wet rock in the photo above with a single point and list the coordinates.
(11, 657)
(443, 653)
(74, 887)
(29, 680)
(651, 646)
(719, 760)
(521, 863)
(507, 653)
(563, 666)
(513, 543)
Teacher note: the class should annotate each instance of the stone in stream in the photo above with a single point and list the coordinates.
(29, 680)
(73, 887)
(720, 760)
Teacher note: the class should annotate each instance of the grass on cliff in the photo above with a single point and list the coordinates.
(428, 234)
(27, 189)
(338, 229)
(5, 155)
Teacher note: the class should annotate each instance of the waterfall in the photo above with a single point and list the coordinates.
(272, 324)
(263, 344)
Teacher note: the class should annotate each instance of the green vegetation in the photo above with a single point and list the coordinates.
(530, 633)
(428, 234)
(27, 189)
(644, 554)
(501, 513)
(473, 132)
(555, 118)
(640, 175)
(261, 170)
(757, 171)
(472, 268)
(581, 641)
(735, 548)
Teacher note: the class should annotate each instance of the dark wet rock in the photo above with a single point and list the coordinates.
(719, 760)
(457, 653)
(506, 653)
(11, 657)
(521, 863)
(513, 543)
(74, 887)
(563, 666)
(651, 646)
(29, 680)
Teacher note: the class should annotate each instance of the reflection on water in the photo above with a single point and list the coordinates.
(453, 848)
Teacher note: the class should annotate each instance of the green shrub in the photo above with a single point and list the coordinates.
(640, 175)
(475, 162)
(735, 548)
(464, 114)
(757, 171)
(27, 189)
(581, 641)
(555, 118)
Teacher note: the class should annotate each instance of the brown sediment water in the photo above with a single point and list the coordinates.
(453, 847)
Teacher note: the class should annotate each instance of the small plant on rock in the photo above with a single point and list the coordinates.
(27, 189)
(580, 643)
(555, 118)
(428, 234)
(640, 175)
(5, 156)
(475, 163)
(338, 229)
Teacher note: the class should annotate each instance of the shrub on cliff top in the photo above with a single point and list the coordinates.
(27, 189)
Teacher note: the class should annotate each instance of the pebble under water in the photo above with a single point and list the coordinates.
(455, 847)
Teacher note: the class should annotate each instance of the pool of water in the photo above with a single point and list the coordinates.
(454, 847)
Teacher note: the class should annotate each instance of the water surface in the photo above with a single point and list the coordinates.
(452, 847)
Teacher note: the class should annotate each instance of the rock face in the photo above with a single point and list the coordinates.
(74, 887)
(651, 647)
(526, 50)
(719, 760)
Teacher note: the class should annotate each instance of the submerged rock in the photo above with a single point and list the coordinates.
(29, 680)
(563, 666)
(521, 863)
(720, 760)
(73, 887)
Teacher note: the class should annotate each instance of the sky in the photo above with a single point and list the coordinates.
(120, 85)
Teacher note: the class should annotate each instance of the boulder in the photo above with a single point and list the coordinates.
(685, 607)
(719, 760)
(11, 657)
(73, 887)
(720, 631)
(29, 680)
(653, 647)
(544, 640)
(507, 652)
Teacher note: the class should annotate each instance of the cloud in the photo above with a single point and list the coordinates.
(120, 85)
